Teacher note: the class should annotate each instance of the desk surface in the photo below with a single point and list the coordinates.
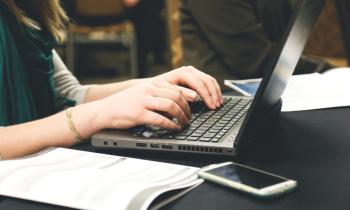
(312, 147)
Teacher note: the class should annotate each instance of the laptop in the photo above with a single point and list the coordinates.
(227, 129)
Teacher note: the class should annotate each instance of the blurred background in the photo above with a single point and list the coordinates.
(113, 40)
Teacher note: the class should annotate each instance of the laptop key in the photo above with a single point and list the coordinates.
(200, 132)
(186, 133)
(180, 137)
(214, 130)
(196, 134)
(215, 140)
(202, 129)
(205, 139)
(205, 126)
(221, 124)
(209, 135)
(192, 138)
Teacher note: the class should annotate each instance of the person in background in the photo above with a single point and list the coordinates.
(150, 31)
(235, 38)
(35, 86)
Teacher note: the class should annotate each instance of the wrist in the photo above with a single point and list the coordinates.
(71, 125)
(133, 82)
(168, 77)
(88, 118)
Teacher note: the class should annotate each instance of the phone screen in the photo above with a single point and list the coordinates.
(249, 87)
(246, 176)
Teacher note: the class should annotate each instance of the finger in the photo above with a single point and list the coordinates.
(189, 94)
(189, 76)
(218, 89)
(211, 88)
(155, 119)
(168, 106)
(194, 82)
(203, 91)
(173, 92)
(216, 85)
(175, 95)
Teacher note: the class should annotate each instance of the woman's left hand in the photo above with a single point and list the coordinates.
(189, 77)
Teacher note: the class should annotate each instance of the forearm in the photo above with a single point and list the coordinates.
(31, 137)
(69, 87)
(97, 92)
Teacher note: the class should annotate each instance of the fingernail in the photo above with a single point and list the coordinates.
(198, 98)
(215, 104)
(193, 95)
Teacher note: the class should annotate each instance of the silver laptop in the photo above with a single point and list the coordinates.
(225, 130)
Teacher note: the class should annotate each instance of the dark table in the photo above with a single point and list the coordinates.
(312, 147)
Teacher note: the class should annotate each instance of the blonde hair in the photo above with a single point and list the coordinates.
(50, 12)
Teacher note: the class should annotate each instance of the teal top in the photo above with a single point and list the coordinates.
(26, 72)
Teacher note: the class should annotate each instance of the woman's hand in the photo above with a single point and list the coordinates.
(190, 81)
(203, 84)
(151, 103)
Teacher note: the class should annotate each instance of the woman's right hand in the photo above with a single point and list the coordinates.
(145, 104)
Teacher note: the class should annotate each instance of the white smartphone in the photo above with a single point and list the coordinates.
(247, 179)
(247, 87)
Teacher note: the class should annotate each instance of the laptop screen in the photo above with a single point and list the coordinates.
(280, 66)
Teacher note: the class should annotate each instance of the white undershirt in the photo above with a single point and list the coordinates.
(66, 84)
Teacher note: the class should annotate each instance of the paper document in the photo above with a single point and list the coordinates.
(86, 180)
(317, 91)
(309, 91)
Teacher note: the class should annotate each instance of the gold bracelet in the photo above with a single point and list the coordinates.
(71, 124)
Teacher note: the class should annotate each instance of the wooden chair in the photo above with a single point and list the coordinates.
(326, 40)
(114, 33)
(174, 34)
(343, 12)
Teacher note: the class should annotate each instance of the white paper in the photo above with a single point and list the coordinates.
(86, 180)
(317, 91)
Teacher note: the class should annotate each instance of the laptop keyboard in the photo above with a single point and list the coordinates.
(206, 125)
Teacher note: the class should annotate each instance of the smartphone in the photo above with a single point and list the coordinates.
(247, 87)
(246, 179)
